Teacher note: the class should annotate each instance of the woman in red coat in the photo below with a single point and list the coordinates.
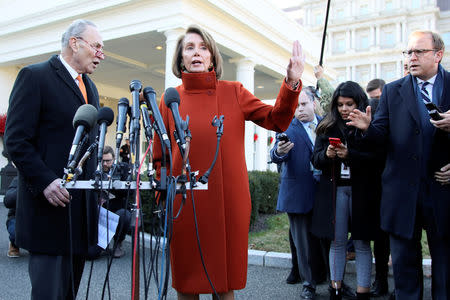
(223, 211)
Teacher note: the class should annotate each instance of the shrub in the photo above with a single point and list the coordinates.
(264, 192)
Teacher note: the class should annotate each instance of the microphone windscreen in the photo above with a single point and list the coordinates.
(105, 114)
(135, 85)
(124, 101)
(171, 95)
(86, 115)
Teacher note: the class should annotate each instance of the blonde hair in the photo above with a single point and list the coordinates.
(216, 58)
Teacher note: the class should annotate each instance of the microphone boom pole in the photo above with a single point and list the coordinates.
(324, 33)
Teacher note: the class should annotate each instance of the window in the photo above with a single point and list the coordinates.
(387, 37)
(446, 38)
(318, 18)
(362, 39)
(388, 5)
(415, 4)
(339, 45)
(364, 9)
(362, 74)
(340, 14)
(388, 71)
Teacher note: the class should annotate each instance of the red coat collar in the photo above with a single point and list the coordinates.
(199, 81)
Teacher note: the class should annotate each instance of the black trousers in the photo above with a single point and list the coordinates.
(51, 278)
(407, 260)
(381, 253)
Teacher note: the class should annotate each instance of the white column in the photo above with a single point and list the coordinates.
(348, 73)
(398, 33)
(378, 66)
(348, 40)
(399, 69)
(372, 71)
(330, 43)
(171, 42)
(353, 39)
(372, 36)
(353, 78)
(245, 74)
(404, 34)
(377, 36)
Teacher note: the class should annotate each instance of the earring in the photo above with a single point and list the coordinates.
(183, 68)
(211, 66)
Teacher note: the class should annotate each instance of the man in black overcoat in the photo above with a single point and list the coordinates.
(416, 179)
(53, 224)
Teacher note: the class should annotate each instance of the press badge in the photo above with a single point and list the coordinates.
(345, 171)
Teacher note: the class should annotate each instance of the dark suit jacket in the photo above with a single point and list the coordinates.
(296, 192)
(38, 137)
(397, 125)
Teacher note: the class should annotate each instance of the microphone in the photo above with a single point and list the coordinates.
(83, 121)
(135, 89)
(150, 96)
(146, 119)
(122, 108)
(105, 118)
(172, 100)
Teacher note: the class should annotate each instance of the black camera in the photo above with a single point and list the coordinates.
(283, 137)
(433, 111)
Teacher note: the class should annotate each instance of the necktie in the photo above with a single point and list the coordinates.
(82, 88)
(425, 95)
(312, 128)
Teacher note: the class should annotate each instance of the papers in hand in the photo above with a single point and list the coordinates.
(107, 224)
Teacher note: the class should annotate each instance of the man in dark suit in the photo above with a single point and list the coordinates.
(416, 179)
(296, 192)
(55, 226)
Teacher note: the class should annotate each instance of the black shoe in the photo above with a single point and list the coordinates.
(379, 288)
(392, 296)
(335, 294)
(363, 296)
(308, 293)
(347, 292)
(293, 277)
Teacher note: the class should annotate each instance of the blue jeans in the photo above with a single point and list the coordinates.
(338, 245)
(11, 227)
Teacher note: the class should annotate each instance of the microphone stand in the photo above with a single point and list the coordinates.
(135, 87)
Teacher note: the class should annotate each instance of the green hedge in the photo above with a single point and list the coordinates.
(264, 192)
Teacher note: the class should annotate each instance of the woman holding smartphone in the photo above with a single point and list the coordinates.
(345, 199)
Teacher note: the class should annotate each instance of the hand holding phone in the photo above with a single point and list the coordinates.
(283, 137)
(433, 111)
(334, 141)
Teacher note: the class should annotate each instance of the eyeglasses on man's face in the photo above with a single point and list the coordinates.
(417, 52)
(96, 47)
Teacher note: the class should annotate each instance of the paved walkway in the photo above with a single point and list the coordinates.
(263, 282)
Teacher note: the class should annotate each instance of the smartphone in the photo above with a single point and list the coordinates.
(433, 111)
(334, 141)
(283, 137)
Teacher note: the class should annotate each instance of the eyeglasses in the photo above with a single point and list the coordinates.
(97, 48)
(107, 161)
(417, 52)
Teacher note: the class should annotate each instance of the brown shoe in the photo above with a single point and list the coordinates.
(351, 255)
(13, 251)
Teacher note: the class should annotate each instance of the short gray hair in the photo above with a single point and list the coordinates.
(75, 29)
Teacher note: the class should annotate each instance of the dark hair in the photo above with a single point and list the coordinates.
(375, 84)
(216, 58)
(108, 149)
(348, 89)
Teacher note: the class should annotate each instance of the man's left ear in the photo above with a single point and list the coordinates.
(439, 55)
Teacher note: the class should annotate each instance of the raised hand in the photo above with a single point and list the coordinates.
(296, 64)
(360, 119)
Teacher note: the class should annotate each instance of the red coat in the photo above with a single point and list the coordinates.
(223, 211)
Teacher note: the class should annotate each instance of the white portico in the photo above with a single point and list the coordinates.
(255, 39)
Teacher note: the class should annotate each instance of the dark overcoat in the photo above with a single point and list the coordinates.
(38, 137)
(364, 166)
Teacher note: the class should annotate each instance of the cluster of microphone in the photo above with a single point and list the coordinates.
(145, 105)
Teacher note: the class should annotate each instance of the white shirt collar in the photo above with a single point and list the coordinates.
(71, 70)
(431, 80)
